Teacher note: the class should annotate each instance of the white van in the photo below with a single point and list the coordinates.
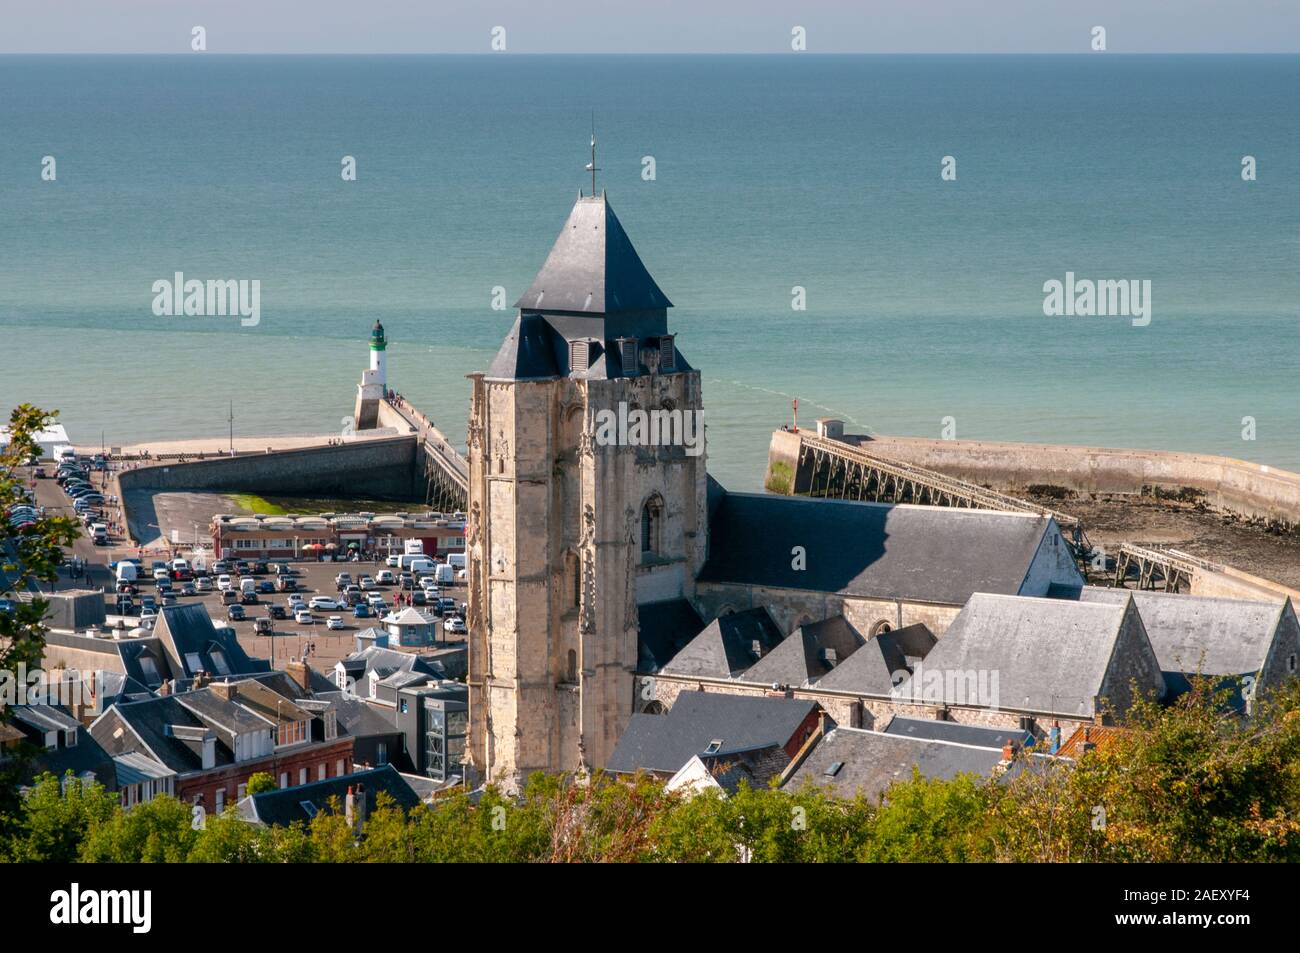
(418, 564)
(456, 560)
(445, 574)
(127, 572)
(247, 585)
(180, 565)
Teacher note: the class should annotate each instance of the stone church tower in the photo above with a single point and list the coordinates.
(573, 521)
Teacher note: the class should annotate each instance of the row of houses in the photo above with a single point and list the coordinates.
(286, 537)
(901, 636)
(184, 711)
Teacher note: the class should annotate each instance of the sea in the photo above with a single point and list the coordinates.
(795, 209)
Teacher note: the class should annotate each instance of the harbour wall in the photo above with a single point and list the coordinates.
(1250, 491)
(383, 468)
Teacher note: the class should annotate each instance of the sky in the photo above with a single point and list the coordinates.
(649, 26)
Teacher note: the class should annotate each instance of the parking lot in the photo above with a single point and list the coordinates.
(314, 641)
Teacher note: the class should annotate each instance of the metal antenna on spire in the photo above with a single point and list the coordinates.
(591, 166)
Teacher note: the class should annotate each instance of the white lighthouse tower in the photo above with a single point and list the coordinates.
(374, 382)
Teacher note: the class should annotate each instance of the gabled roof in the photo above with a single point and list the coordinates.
(187, 629)
(408, 616)
(726, 772)
(1047, 655)
(882, 664)
(145, 728)
(811, 651)
(358, 718)
(1214, 636)
(879, 550)
(285, 806)
(664, 629)
(592, 267)
(725, 648)
(663, 743)
(934, 730)
(853, 761)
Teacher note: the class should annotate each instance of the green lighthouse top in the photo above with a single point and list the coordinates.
(377, 342)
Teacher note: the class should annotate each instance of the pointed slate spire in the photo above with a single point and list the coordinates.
(593, 268)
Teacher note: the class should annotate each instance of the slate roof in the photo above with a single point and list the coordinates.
(663, 743)
(357, 718)
(927, 729)
(285, 806)
(147, 721)
(593, 268)
(188, 629)
(755, 767)
(1048, 655)
(888, 551)
(803, 657)
(86, 756)
(725, 648)
(664, 630)
(1191, 633)
(875, 668)
(136, 767)
(870, 761)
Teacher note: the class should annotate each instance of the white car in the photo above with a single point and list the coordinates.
(295, 598)
(203, 584)
(303, 617)
(161, 573)
(224, 583)
(454, 625)
(334, 622)
(367, 583)
(386, 577)
(375, 599)
(323, 602)
(393, 561)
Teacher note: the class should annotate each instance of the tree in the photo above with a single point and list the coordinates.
(259, 782)
(30, 554)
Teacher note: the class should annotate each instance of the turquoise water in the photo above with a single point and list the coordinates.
(924, 297)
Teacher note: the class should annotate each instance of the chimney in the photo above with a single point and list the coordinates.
(300, 672)
(1088, 743)
(361, 802)
(350, 808)
(165, 688)
(200, 680)
(226, 690)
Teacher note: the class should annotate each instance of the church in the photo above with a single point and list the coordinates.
(593, 563)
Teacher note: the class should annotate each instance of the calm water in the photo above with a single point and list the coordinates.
(924, 297)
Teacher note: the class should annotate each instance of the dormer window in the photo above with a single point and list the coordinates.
(627, 351)
(579, 356)
(667, 353)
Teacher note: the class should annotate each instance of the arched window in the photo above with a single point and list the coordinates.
(651, 527)
(881, 627)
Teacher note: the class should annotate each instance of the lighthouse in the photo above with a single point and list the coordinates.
(374, 382)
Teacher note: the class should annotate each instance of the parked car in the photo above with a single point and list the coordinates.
(455, 625)
(385, 577)
(189, 589)
(169, 598)
(263, 626)
(393, 561)
(324, 603)
(367, 583)
(149, 603)
(265, 586)
(296, 600)
(286, 584)
(361, 611)
(229, 597)
(203, 584)
(278, 612)
(220, 566)
(235, 613)
(224, 582)
(303, 617)
(343, 580)
(374, 599)
(334, 622)
(259, 568)
(447, 604)
(418, 598)
(248, 598)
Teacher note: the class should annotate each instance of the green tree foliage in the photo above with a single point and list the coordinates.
(1189, 782)
(259, 782)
